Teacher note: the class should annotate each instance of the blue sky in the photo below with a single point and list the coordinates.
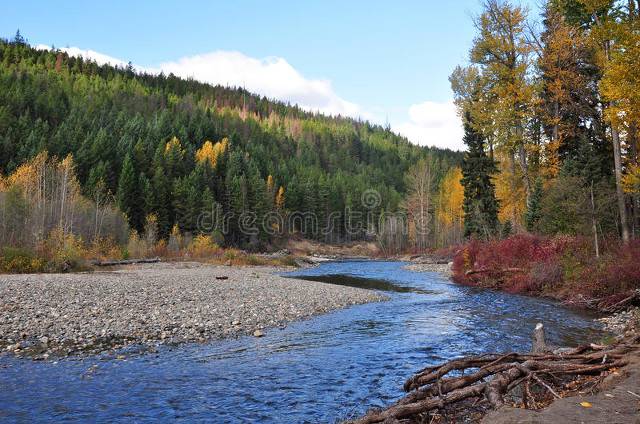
(377, 59)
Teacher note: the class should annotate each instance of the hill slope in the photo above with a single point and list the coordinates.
(143, 138)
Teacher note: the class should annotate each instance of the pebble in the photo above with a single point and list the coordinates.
(622, 322)
(86, 313)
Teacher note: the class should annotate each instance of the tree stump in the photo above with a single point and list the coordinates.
(539, 345)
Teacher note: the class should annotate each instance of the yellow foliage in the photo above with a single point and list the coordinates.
(27, 174)
(203, 246)
(104, 248)
(451, 197)
(511, 195)
(270, 184)
(619, 84)
(564, 80)
(631, 180)
(173, 145)
(62, 247)
(22, 263)
(210, 152)
(280, 198)
(136, 247)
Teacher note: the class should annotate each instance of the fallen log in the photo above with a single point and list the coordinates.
(497, 271)
(126, 262)
(494, 376)
(623, 304)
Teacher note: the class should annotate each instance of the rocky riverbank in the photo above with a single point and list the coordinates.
(427, 263)
(44, 315)
(623, 323)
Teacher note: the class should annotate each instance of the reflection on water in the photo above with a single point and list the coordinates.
(320, 370)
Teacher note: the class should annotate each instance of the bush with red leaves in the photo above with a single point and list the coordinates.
(560, 266)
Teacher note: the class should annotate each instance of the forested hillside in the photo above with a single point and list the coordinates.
(163, 150)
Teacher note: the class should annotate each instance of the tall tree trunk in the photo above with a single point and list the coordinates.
(622, 208)
(522, 158)
(594, 224)
(617, 161)
(632, 140)
(512, 163)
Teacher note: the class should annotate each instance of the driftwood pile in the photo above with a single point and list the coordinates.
(526, 380)
(604, 304)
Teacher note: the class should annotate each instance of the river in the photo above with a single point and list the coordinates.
(321, 370)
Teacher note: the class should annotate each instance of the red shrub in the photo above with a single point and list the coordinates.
(560, 266)
(618, 271)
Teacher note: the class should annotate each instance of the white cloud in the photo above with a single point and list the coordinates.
(273, 77)
(99, 58)
(433, 124)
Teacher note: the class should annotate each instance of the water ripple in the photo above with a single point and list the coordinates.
(320, 370)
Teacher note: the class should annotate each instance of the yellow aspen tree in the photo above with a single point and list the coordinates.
(280, 198)
(210, 152)
(270, 184)
(603, 33)
(561, 50)
(450, 213)
(619, 89)
(502, 52)
(206, 154)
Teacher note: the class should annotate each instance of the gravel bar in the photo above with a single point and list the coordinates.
(145, 305)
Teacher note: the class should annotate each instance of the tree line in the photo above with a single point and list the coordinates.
(550, 110)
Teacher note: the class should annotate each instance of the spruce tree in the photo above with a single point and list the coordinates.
(480, 205)
(161, 201)
(533, 214)
(128, 195)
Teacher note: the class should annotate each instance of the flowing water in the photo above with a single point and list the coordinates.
(321, 370)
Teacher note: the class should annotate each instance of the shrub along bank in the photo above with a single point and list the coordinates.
(560, 267)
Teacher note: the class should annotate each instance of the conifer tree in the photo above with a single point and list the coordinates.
(533, 215)
(161, 201)
(480, 205)
(128, 195)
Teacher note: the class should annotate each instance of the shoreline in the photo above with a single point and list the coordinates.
(58, 315)
(616, 394)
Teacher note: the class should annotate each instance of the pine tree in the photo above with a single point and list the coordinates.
(128, 195)
(533, 215)
(480, 205)
(161, 201)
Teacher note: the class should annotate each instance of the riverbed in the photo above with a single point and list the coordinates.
(324, 369)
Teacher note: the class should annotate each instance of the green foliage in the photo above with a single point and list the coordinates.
(507, 229)
(533, 214)
(480, 205)
(129, 195)
(138, 135)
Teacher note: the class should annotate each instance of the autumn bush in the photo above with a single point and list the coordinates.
(18, 260)
(203, 246)
(58, 252)
(562, 266)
